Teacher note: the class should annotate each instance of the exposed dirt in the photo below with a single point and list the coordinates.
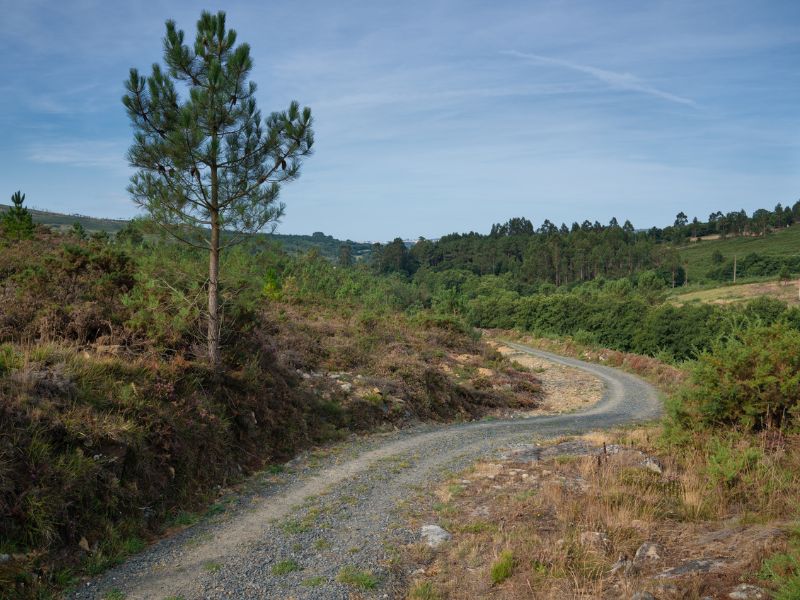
(564, 388)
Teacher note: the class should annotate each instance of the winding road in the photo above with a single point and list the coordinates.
(290, 535)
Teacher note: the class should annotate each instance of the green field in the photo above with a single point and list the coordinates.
(781, 243)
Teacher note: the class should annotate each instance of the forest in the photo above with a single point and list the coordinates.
(583, 252)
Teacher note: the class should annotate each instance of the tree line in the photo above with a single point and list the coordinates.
(563, 255)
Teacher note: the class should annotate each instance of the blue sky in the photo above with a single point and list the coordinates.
(438, 116)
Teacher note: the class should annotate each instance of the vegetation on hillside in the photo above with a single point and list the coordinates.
(112, 424)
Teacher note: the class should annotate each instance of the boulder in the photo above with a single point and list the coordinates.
(434, 535)
(746, 591)
(649, 551)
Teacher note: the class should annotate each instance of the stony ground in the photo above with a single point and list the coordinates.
(331, 525)
(581, 518)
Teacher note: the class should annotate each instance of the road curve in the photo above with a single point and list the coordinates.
(291, 538)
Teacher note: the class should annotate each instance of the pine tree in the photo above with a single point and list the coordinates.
(17, 222)
(207, 162)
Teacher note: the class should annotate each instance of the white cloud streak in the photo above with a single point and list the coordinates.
(81, 153)
(622, 81)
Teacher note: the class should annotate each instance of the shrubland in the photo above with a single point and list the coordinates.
(113, 424)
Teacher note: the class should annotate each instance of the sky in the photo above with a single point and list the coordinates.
(437, 116)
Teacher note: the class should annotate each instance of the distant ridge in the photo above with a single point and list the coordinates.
(328, 246)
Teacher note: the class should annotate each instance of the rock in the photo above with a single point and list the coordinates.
(653, 464)
(623, 564)
(595, 539)
(649, 551)
(346, 386)
(698, 565)
(746, 591)
(84, 545)
(434, 535)
(643, 596)
(4, 558)
(667, 589)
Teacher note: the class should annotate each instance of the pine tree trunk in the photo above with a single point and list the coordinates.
(213, 275)
(213, 294)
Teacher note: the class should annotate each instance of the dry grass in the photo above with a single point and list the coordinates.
(567, 520)
(741, 293)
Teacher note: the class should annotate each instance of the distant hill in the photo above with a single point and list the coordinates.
(327, 245)
(64, 222)
(781, 244)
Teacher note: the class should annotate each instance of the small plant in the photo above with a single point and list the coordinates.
(424, 591)
(321, 544)
(212, 567)
(185, 519)
(295, 526)
(315, 581)
(354, 577)
(285, 566)
(502, 567)
(114, 594)
(783, 569)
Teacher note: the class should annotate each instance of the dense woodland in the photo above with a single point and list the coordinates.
(583, 252)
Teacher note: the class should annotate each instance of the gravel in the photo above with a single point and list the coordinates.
(339, 517)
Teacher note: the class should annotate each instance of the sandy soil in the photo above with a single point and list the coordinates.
(564, 389)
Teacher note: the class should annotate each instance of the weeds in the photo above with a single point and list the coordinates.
(352, 576)
(502, 568)
(284, 567)
(424, 590)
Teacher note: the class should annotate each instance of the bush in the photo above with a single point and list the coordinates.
(751, 380)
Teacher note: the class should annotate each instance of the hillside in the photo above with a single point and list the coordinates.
(327, 245)
(783, 244)
(727, 294)
(64, 222)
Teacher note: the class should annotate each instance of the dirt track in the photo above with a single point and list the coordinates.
(292, 535)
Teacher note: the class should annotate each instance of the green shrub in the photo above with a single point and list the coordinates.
(783, 569)
(751, 380)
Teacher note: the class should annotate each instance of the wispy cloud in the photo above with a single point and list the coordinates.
(81, 153)
(623, 81)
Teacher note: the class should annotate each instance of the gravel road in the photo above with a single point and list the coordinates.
(290, 535)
